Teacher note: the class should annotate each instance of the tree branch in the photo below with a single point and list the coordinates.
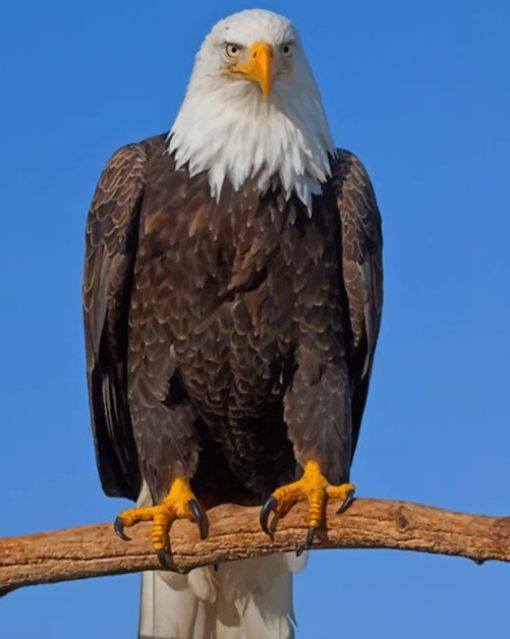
(94, 551)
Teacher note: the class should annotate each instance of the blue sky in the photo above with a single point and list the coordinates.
(420, 91)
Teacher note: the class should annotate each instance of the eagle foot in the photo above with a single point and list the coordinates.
(180, 503)
(312, 487)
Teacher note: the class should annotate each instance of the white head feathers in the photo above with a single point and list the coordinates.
(228, 127)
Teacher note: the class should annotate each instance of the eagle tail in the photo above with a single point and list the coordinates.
(246, 599)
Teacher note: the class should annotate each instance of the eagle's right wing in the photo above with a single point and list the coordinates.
(362, 268)
(111, 243)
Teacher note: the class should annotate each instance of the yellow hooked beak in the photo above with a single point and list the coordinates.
(259, 66)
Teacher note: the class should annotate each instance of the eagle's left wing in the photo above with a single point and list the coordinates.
(361, 252)
(111, 242)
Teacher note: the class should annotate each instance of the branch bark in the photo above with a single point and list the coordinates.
(95, 551)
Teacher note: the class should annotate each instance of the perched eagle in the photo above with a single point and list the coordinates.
(232, 300)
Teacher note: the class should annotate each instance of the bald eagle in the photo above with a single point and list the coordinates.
(232, 299)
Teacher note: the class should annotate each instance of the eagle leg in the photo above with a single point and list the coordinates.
(312, 487)
(180, 503)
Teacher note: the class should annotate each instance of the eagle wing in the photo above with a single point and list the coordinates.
(111, 242)
(361, 252)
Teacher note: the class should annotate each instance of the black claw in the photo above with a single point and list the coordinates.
(309, 537)
(166, 560)
(199, 517)
(118, 526)
(299, 552)
(346, 503)
(267, 509)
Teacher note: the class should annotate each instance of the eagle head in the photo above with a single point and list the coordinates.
(253, 111)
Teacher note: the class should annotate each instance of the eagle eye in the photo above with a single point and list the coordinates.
(286, 49)
(232, 50)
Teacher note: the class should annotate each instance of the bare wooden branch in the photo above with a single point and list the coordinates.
(94, 551)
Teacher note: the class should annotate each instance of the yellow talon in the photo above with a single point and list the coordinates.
(180, 503)
(314, 488)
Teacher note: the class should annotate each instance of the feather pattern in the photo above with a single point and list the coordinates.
(239, 328)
